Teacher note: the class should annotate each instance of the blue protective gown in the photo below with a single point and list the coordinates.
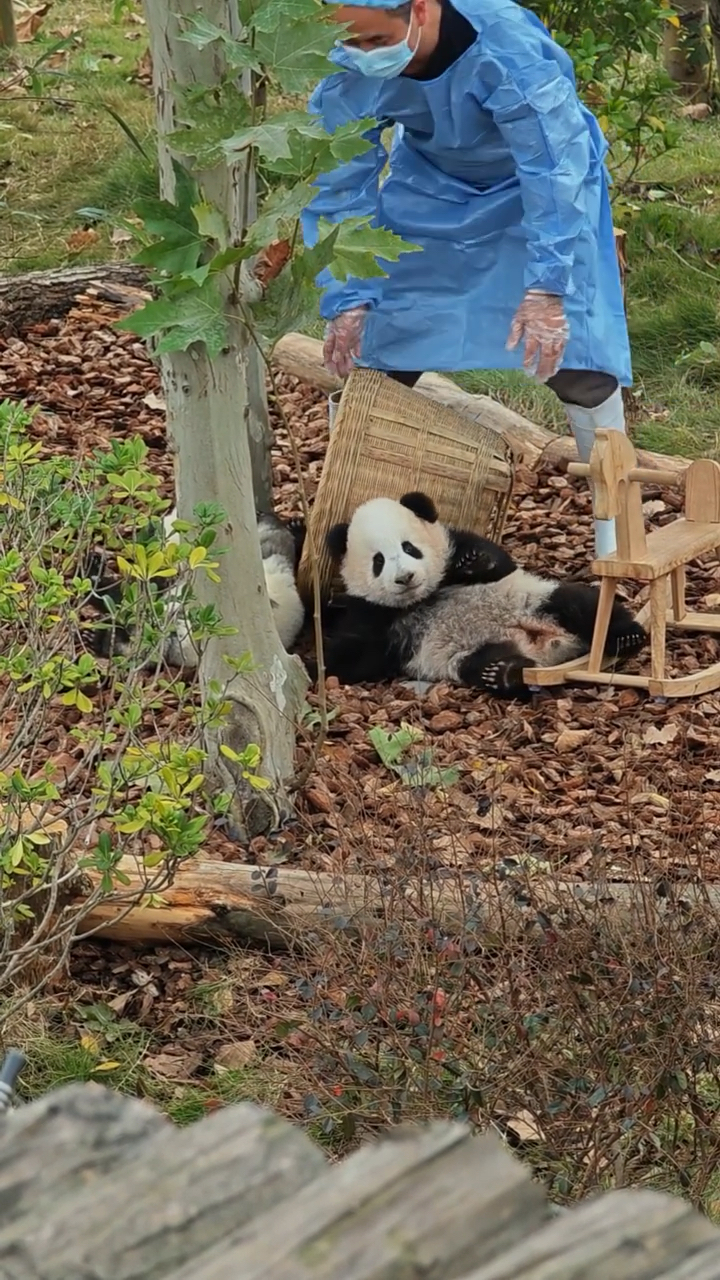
(497, 171)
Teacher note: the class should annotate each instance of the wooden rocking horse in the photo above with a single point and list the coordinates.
(658, 558)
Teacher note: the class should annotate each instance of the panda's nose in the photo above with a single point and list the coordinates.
(404, 579)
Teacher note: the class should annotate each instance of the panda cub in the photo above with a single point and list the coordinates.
(280, 545)
(429, 602)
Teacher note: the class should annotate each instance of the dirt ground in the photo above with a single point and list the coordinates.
(587, 781)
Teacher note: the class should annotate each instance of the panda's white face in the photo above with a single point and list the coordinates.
(393, 558)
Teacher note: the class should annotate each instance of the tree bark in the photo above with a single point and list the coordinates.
(41, 295)
(714, 21)
(209, 416)
(8, 34)
(685, 50)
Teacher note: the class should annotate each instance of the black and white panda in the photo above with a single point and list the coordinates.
(280, 546)
(428, 602)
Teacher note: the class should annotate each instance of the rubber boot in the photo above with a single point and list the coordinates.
(333, 403)
(584, 424)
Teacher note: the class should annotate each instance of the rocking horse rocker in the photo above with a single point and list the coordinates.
(658, 558)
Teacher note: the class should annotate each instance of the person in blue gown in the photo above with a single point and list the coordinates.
(497, 172)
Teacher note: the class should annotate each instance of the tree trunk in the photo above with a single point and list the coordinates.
(8, 34)
(184, 66)
(209, 415)
(685, 49)
(39, 295)
(714, 21)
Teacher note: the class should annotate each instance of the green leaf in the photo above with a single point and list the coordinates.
(295, 54)
(178, 244)
(272, 137)
(305, 158)
(268, 15)
(358, 245)
(239, 54)
(207, 118)
(181, 319)
(280, 213)
(211, 222)
(347, 141)
(288, 304)
(308, 264)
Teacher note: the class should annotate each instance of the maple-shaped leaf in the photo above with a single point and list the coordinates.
(348, 141)
(359, 248)
(178, 242)
(270, 13)
(287, 306)
(180, 319)
(239, 53)
(272, 137)
(294, 54)
(280, 213)
(206, 119)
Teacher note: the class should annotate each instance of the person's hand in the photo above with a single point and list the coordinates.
(343, 337)
(540, 320)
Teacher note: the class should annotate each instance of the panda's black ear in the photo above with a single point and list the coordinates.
(336, 540)
(421, 506)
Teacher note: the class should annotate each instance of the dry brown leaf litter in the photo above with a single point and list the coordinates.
(586, 780)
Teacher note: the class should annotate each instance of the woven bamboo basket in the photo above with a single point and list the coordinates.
(389, 440)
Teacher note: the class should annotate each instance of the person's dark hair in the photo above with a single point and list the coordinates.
(401, 11)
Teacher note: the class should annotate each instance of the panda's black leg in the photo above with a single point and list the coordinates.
(496, 669)
(574, 606)
(296, 526)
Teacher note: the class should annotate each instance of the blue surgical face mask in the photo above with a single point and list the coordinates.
(383, 63)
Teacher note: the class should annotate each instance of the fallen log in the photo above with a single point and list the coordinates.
(34, 296)
(286, 907)
(302, 357)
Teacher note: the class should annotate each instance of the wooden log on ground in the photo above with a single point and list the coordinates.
(302, 356)
(562, 451)
(243, 1193)
(223, 901)
(155, 1212)
(29, 298)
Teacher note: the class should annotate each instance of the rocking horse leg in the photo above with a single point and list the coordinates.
(602, 622)
(658, 619)
(677, 587)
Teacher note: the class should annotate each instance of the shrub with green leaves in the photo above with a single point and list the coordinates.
(615, 47)
(97, 760)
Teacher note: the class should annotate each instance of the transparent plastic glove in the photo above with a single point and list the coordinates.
(343, 337)
(540, 320)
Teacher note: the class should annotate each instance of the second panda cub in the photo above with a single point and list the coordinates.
(429, 602)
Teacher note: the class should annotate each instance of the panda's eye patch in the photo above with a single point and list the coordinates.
(411, 550)
(378, 562)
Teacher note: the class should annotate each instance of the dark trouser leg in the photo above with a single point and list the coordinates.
(408, 378)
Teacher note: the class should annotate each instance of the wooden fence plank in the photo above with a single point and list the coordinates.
(54, 1145)
(158, 1211)
(427, 1203)
(623, 1235)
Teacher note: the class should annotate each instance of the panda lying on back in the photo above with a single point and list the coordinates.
(425, 601)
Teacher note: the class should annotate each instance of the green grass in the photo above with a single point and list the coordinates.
(63, 148)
